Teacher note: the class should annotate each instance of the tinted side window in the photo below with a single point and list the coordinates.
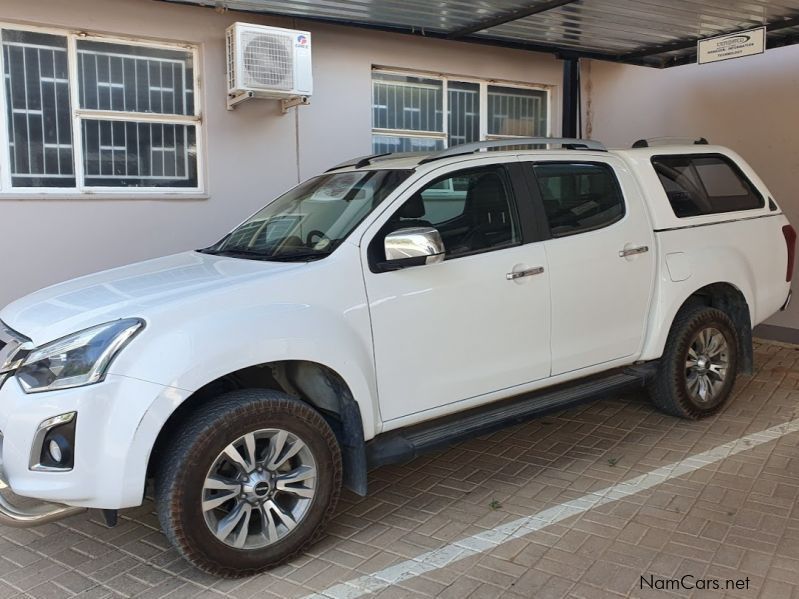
(705, 184)
(473, 210)
(579, 197)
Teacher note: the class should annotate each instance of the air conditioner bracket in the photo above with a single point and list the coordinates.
(234, 100)
(294, 101)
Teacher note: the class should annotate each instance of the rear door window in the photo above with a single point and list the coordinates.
(701, 184)
(578, 196)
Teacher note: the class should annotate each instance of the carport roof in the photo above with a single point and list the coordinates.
(658, 33)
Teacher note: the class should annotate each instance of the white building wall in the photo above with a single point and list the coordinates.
(252, 152)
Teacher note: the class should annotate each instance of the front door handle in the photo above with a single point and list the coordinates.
(641, 249)
(527, 272)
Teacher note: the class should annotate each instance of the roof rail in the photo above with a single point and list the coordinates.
(665, 141)
(362, 161)
(565, 142)
(357, 162)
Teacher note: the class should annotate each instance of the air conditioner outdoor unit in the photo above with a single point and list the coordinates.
(268, 62)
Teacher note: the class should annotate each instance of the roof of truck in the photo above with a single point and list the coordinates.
(567, 148)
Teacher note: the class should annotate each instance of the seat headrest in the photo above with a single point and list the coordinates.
(487, 192)
(413, 208)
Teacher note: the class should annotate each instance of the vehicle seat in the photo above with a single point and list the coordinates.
(411, 214)
(487, 208)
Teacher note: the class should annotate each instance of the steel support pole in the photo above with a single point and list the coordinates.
(571, 97)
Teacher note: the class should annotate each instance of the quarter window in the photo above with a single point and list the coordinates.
(408, 112)
(473, 211)
(83, 113)
(579, 197)
(705, 184)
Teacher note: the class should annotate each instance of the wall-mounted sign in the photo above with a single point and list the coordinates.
(733, 45)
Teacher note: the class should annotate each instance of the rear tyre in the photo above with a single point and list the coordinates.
(251, 480)
(699, 364)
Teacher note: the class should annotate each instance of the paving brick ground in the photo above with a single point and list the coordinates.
(735, 519)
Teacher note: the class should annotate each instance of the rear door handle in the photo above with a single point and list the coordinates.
(527, 272)
(641, 249)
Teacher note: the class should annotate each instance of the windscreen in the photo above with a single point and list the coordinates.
(310, 221)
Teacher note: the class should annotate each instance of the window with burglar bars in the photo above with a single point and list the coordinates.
(85, 113)
(408, 111)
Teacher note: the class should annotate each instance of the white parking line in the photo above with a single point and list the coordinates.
(489, 539)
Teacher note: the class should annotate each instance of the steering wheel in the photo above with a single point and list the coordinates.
(314, 237)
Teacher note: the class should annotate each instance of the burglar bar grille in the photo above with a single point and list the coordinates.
(125, 83)
(516, 112)
(133, 119)
(410, 106)
(464, 112)
(115, 151)
(38, 111)
(407, 111)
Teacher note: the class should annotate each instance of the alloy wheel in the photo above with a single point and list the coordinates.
(706, 365)
(259, 488)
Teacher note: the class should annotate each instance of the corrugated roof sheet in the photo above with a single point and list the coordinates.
(653, 32)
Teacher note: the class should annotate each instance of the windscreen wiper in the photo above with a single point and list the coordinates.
(283, 257)
(236, 252)
(297, 256)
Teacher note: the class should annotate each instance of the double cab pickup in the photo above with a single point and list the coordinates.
(393, 304)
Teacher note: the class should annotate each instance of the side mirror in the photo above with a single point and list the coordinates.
(413, 246)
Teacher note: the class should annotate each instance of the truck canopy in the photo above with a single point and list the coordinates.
(694, 185)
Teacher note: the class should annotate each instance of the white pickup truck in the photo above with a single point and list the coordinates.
(393, 304)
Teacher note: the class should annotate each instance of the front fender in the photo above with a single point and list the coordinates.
(196, 351)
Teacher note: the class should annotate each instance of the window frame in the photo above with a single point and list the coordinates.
(446, 78)
(78, 115)
(534, 185)
(736, 169)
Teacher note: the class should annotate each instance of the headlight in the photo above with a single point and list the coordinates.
(76, 360)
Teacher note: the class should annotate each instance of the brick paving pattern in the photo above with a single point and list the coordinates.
(734, 519)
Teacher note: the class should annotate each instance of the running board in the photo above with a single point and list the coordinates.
(405, 444)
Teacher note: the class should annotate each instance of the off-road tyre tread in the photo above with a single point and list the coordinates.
(667, 388)
(169, 493)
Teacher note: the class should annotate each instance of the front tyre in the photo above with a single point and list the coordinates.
(250, 481)
(699, 364)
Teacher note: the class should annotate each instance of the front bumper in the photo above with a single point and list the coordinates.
(117, 423)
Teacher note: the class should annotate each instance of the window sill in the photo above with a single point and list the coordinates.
(107, 196)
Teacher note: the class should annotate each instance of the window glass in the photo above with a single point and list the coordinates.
(120, 79)
(516, 111)
(472, 210)
(463, 115)
(404, 102)
(135, 78)
(128, 78)
(415, 105)
(38, 109)
(133, 154)
(705, 184)
(578, 197)
(396, 143)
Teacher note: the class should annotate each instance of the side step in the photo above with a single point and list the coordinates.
(405, 444)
